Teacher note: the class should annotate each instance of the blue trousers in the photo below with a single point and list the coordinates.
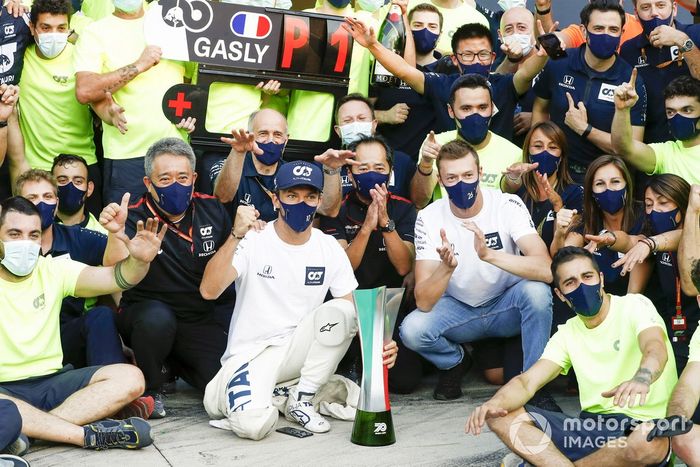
(91, 339)
(10, 423)
(525, 308)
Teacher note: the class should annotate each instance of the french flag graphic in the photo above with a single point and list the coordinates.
(251, 25)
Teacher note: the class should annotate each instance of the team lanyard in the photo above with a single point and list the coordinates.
(172, 227)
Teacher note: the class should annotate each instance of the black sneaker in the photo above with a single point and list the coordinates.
(543, 400)
(158, 405)
(132, 433)
(19, 447)
(449, 385)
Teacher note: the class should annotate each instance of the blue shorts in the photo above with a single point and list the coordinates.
(577, 437)
(48, 392)
(10, 423)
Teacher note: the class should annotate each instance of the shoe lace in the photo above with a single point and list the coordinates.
(105, 439)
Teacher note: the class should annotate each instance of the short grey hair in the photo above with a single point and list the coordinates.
(174, 146)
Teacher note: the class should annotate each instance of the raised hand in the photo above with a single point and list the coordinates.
(371, 218)
(446, 252)
(113, 216)
(270, 88)
(336, 158)
(479, 240)
(515, 171)
(246, 219)
(379, 196)
(431, 148)
(360, 33)
(146, 243)
(636, 255)
(478, 417)
(626, 94)
(597, 242)
(576, 117)
(694, 199)
(187, 124)
(553, 197)
(403, 4)
(565, 219)
(149, 58)
(242, 142)
(667, 36)
(15, 8)
(391, 351)
(9, 94)
(541, 32)
(397, 114)
(512, 48)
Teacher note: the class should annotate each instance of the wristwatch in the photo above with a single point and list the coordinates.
(328, 171)
(687, 46)
(390, 226)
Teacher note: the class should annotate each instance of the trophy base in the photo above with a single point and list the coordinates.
(373, 429)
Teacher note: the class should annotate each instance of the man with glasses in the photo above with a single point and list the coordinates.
(472, 53)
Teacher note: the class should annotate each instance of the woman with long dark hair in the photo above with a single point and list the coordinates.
(542, 179)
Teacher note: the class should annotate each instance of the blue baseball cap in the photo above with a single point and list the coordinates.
(299, 173)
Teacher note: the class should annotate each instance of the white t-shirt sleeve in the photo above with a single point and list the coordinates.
(243, 253)
(517, 218)
(425, 245)
(343, 280)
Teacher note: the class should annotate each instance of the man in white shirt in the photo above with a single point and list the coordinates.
(281, 330)
(481, 271)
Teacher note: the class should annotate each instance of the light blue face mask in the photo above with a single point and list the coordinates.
(370, 5)
(128, 6)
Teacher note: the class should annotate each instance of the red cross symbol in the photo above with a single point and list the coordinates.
(179, 104)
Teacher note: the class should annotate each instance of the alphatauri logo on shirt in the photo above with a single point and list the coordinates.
(314, 275)
(39, 302)
(493, 241)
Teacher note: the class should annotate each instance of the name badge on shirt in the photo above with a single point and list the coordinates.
(607, 92)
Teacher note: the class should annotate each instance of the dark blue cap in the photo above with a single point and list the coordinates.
(299, 173)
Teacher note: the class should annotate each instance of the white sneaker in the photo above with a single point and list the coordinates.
(514, 460)
(304, 414)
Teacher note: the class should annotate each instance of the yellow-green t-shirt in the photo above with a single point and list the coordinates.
(229, 106)
(109, 44)
(496, 157)
(30, 340)
(609, 354)
(51, 118)
(97, 9)
(453, 18)
(673, 158)
(694, 348)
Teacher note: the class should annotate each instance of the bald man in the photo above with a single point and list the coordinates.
(247, 175)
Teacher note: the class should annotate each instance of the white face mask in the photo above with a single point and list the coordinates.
(507, 4)
(51, 43)
(128, 6)
(525, 41)
(351, 132)
(21, 256)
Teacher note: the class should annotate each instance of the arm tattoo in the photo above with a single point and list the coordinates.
(126, 74)
(119, 277)
(643, 375)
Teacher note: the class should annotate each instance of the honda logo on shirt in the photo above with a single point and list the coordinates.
(568, 79)
(314, 275)
(208, 246)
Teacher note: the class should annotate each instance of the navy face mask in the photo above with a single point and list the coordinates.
(648, 25)
(603, 45)
(473, 128)
(366, 181)
(683, 128)
(424, 40)
(47, 211)
(586, 300)
(298, 216)
(611, 201)
(463, 194)
(662, 221)
(272, 152)
(548, 162)
(339, 3)
(174, 198)
(476, 68)
(71, 198)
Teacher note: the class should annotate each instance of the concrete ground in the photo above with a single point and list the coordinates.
(428, 432)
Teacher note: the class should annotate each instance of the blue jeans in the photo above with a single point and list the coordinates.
(525, 308)
(10, 423)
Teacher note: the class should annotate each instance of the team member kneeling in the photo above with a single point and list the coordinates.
(623, 360)
(54, 401)
(281, 329)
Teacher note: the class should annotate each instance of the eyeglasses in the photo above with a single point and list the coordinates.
(482, 55)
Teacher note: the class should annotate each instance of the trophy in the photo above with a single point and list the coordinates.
(376, 314)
